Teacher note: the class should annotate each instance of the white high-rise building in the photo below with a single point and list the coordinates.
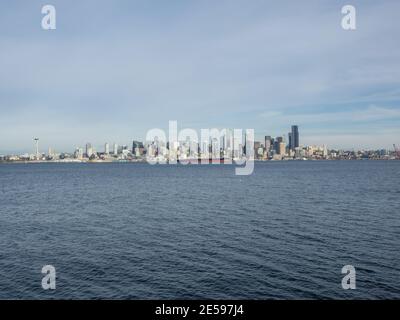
(89, 150)
(107, 148)
(325, 151)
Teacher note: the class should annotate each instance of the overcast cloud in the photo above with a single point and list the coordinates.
(114, 69)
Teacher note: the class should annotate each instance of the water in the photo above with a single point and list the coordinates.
(145, 232)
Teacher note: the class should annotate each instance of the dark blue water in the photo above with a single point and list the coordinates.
(141, 231)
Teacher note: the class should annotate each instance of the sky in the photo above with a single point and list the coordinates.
(112, 70)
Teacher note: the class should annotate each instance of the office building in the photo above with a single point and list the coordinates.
(107, 148)
(89, 149)
(295, 143)
(282, 148)
(268, 143)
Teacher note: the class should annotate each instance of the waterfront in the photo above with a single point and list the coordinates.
(132, 230)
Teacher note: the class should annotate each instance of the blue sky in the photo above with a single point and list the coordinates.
(114, 69)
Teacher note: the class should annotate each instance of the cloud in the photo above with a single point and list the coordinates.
(371, 113)
(113, 71)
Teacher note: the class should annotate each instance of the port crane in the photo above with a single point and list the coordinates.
(397, 151)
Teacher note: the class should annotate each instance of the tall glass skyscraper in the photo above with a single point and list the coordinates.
(295, 143)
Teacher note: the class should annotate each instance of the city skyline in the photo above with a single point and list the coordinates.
(45, 143)
(269, 148)
(111, 146)
(117, 71)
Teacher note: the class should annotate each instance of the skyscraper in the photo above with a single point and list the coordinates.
(268, 143)
(277, 143)
(89, 149)
(295, 137)
(137, 148)
(107, 148)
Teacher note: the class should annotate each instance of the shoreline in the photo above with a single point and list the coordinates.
(145, 162)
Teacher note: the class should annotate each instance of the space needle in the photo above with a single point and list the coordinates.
(37, 147)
